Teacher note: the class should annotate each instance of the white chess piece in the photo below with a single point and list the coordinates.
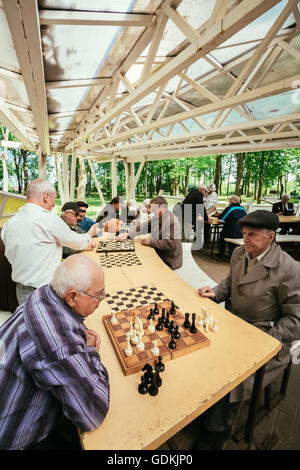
(200, 320)
(113, 319)
(131, 329)
(141, 329)
(214, 326)
(140, 345)
(137, 324)
(151, 327)
(128, 351)
(155, 349)
(134, 338)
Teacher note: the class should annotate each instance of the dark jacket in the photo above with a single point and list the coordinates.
(230, 216)
(194, 200)
(278, 207)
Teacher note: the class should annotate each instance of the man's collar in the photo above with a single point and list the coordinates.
(267, 258)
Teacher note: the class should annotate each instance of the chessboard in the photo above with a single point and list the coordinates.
(134, 298)
(115, 245)
(111, 260)
(187, 343)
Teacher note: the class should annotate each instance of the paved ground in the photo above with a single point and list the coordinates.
(280, 429)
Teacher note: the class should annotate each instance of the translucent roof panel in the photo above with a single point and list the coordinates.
(121, 6)
(279, 105)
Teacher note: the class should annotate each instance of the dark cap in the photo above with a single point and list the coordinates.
(71, 206)
(260, 219)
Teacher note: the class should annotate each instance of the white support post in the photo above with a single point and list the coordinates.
(114, 190)
(42, 164)
(127, 182)
(96, 182)
(73, 174)
(132, 188)
(59, 180)
(137, 176)
(66, 177)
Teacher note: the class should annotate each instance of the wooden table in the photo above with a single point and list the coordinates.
(215, 224)
(289, 219)
(190, 384)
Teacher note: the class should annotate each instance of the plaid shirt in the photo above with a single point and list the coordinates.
(45, 369)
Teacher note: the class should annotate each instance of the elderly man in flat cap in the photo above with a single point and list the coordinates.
(263, 289)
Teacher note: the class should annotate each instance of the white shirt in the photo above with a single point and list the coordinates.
(210, 200)
(33, 240)
(253, 261)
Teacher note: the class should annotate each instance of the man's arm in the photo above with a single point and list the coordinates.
(67, 237)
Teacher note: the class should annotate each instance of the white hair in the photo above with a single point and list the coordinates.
(38, 187)
(73, 273)
(286, 195)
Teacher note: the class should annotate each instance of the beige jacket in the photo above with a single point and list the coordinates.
(268, 297)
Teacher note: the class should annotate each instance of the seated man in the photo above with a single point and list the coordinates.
(70, 215)
(193, 210)
(52, 380)
(262, 288)
(83, 222)
(284, 207)
(230, 215)
(110, 211)
(165, 233)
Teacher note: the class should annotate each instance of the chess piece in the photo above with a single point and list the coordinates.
(128, 351)
(131, 329)
(151, 327)
(136, 324)
(187, 323)
(214, 326)
(159, 326)
(155, 349)
(155, 310)
(167, 321)
(148, 373)
(172, 343)
(113, 318)
(153, 389)
(158, 378)
(151, 315)
(140, 345)
(140, 328)
(200, 320)
(134, 338)
(163, 316)
(171, 329)
(193, 328)
(176, 333)
(160, 365)
(143, 387)
(172, 309)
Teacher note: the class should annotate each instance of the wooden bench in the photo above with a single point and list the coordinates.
(279, 239)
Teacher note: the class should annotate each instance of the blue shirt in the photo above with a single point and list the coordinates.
(85, 224)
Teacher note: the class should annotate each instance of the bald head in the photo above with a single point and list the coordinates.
(76, 272)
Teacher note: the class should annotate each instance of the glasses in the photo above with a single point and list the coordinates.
(100, 298)
(73, 213)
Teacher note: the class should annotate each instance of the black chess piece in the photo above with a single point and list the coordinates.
(155, 310)
(193, 328)
(143, 387)
(176, 334)
(159, 326)
(187, 323)
(172, 343)
(148, 373)
(151, 315)
(163, 316)
(173, 309)
(157, 378)
(171, 328)
(160, 365)
(153, 389)
(167, 321)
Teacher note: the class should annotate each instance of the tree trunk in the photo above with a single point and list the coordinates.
(25, 168)
(218, 171)
(186, 180)
(239, 174)
(229, 172)
(261, 178)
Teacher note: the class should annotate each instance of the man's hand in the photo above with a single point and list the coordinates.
(94, 230)
(91, 245)
(92, 339)
(146, 241)
(207, 292)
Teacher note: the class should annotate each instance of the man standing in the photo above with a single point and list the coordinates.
(34, 238)
(211, 199)
(263, 289)
(52, 380)
(193, 210)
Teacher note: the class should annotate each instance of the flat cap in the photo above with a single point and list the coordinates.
(71, 206)
(260, 219)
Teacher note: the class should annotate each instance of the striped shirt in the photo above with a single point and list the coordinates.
(45, 369)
